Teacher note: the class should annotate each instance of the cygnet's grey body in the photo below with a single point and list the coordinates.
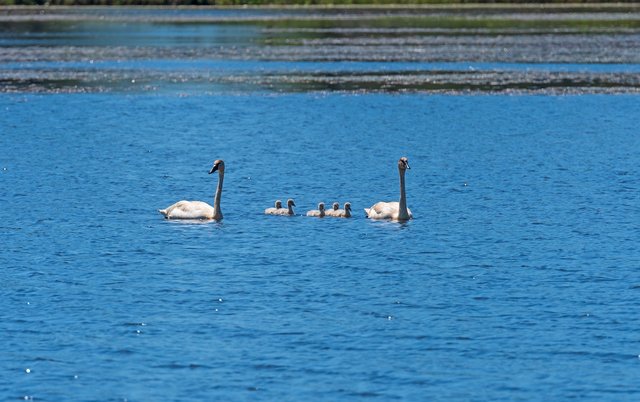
(342, 213)
(317, 212)
(288, 211)
(273, 211)
(334, 208)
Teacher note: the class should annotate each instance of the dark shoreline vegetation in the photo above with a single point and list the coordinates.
(465, 48)
(177, 3)
(453, 15)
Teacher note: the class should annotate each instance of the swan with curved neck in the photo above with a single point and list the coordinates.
(199, 209)
(273, 211)
(288, 211)
(396, 211)
(317, 212)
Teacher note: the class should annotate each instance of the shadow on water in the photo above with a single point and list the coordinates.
(194, 222)
(389, 224)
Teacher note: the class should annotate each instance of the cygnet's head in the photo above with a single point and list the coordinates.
(347, 206)
(321, 206)
(278, 204)
(290, 203)
(403, 163)
(336, 206)
(218, 164)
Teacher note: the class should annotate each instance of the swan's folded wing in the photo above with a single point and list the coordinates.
(383, 210)
(190, 210)
(168, 210)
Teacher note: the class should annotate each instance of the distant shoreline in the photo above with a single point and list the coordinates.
(427, 4)
(575, 16)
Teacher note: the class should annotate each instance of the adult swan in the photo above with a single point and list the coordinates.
(199, 209)
(396, 211)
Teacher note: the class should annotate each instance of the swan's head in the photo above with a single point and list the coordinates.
(217, 165)
(321, 206)
(347, 206)
(403, 163)
(278, 204)
(290, 203)
(336, 206)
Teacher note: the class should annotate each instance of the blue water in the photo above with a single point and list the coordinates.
(518, 279)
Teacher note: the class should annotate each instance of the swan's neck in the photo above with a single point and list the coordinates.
(290, 208)
(403, 213)
(217, 213)
(347, 213)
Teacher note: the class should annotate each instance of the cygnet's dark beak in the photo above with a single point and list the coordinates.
(407, 165)
(293, 203)
(213, 169)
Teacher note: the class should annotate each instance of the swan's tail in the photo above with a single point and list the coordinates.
(366, 211)
(163, 212)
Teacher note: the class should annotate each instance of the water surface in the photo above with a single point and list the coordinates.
(518, 279)
(519, 271)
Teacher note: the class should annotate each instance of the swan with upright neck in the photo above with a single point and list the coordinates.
(199, 209)
(396, 211)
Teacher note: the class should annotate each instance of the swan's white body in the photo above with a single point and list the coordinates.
(273, 211)
(288, 211)
(199, 209)
(341, 213)
(189, 210)
(317, 212)
(387, 210)
(396, 211)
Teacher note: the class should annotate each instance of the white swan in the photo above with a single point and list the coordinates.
(288, 211)
(198, 209)
(396, 211)
(332, 212)
(272, 211)
(341, 213)
(317, 212)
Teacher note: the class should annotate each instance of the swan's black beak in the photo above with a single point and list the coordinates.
(293, 204)
(213, 169)
(407, 165)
